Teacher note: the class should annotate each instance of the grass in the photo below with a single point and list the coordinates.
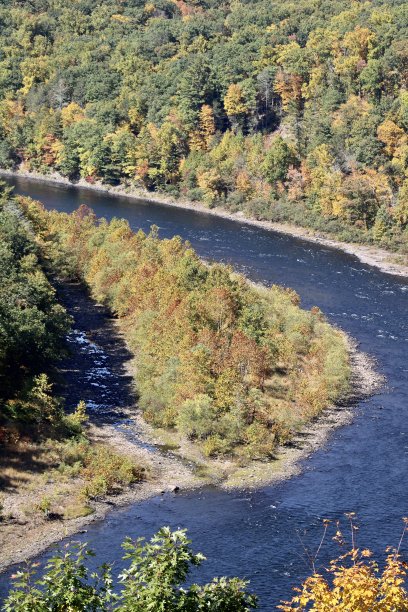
(61, 478)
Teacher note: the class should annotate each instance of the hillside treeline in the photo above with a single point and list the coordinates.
(234, 367)
(288, 111)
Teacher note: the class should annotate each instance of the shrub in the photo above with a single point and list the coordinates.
(108, 472)
(155, 579)
(196, 418)
(354, 581)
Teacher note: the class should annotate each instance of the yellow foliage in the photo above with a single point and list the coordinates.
(200, 138)
(400, 212)
(207, 124)
(72, 113)
(391, 135)
(380, 185)
(361, 587)
(351, 54)
(88, 168)
(324, 182)
(209, 181)
(34, 69)
(316, 79)
(11, 115)
(135, 119)
(121, 18)
(359, 42)
(234, 102)
(381, 16)
(354, 582)
(289, 87)
(244, 184)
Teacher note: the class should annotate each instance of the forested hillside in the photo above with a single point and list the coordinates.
(287, 110)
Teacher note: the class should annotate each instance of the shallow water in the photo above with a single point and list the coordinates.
(364, 466)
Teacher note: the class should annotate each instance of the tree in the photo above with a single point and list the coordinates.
(361, 204)
(235, 105)
(277, 161)
(383, 223)
(354, 581)
(391, 135)
(400, 212)
(200, 139)
(154, 580)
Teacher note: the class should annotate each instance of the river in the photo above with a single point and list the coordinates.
(364, 466)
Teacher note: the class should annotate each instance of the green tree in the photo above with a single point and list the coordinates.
(277, 161)
(154, 580)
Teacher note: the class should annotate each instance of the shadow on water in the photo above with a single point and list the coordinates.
(96, 369)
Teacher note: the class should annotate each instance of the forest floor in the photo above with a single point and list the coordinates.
(99, 369)
(386, 261)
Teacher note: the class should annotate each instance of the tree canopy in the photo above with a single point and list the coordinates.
(289, 111)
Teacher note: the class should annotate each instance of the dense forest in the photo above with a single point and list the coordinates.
(288, 111)
(236, 368)
(32, 330)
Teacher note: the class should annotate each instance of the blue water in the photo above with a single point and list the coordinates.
(364, 466)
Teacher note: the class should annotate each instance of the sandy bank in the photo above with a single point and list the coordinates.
(370, 255)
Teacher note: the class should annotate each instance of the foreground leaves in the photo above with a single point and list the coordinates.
(153, 581)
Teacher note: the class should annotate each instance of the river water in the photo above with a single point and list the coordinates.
(364, 466)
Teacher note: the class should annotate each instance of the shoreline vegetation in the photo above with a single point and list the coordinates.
(234, 367)
(130, 368)
(171, 470)
(387, 261)
(175, 469)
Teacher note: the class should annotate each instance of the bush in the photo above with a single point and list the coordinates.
(196, 418)
(107, 472)
(354, 581)
(155, 579)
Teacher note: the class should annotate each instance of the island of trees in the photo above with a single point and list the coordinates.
(235, 367)
(288, 112)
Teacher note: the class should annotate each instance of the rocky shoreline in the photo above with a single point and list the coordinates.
(372, 256)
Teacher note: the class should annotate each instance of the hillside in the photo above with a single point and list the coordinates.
(288, 111)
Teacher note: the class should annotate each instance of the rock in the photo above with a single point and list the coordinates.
(176, 489)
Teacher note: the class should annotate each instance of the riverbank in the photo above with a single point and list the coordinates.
(288, 459)
(26, 536)
(385, 261)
